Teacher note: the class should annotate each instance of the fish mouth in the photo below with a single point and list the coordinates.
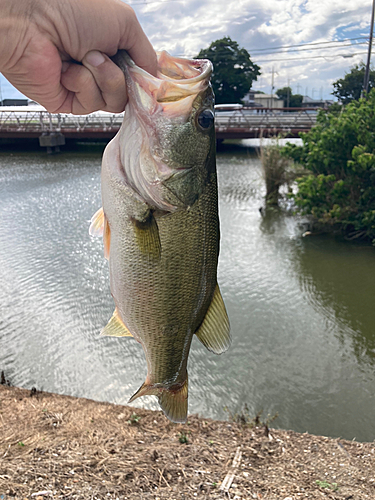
(172, 91)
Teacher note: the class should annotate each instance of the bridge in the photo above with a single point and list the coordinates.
(53, 129)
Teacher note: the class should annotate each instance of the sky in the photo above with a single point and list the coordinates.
(328, 36)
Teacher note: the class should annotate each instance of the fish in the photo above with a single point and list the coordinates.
(160, 223)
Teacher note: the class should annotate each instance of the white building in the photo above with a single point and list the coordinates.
(257, 100)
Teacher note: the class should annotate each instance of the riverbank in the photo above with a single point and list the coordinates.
(54, 446)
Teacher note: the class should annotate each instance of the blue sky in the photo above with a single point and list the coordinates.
(183, 27)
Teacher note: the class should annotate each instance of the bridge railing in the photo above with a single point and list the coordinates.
(245, 118)
(279, 118)
(43, 121)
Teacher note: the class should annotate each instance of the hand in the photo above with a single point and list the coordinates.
(43, 43)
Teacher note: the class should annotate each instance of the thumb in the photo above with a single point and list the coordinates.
(109, 79)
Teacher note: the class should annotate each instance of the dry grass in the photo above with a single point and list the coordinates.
(55, 446)
(275, 171)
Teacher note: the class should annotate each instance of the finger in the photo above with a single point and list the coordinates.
(109, 79)
(84, 95)
(135, 41)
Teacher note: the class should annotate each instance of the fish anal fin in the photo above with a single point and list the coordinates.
(214, 329)
(106, 238)
(147, 237)
(115, 327)
(173, 400)
(97, 223)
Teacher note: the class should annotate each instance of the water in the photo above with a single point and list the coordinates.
(301, 309)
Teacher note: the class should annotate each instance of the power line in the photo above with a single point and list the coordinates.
(314, 48)
(312, 57)
(251, 51)
(281, 52)
(312, 43)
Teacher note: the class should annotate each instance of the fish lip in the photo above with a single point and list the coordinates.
(172, 92)
(204, 64)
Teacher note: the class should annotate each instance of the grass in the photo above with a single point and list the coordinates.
(244, 418)
(134, 419)
(327, 485)
(278, 171)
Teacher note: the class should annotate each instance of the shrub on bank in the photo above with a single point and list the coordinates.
(340, 154)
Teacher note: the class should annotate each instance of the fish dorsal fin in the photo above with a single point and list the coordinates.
(214, 330)
(115, 327)
(97, 223)
(173, 400)
(147, 237)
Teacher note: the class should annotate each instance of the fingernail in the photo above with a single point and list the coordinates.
(94, 58)
(64, 66)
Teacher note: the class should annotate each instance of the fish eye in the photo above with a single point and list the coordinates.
(206, 119)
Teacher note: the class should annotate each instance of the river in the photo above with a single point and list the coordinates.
(302, 310)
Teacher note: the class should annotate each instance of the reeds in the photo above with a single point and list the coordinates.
(276, 171)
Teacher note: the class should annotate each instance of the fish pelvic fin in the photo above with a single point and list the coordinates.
(214, 329)
(173, 400)
(115, 327)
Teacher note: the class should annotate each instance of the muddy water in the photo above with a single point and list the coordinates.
(302, 310)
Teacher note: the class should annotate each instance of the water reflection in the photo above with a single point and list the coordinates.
(340, 277)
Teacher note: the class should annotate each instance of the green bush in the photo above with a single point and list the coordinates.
(340, 154)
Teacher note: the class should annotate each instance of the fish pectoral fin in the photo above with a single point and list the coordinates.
(115, 327)
(214, 330)
(173, 400)
(147, 236)
(106, 238)
(99, 227)
(97, 223)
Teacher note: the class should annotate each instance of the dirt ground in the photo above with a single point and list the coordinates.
(54, 446)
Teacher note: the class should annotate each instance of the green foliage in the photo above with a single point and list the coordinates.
(340, 154)
(327, 485)
(234, 72)
(294, 100)
(134, 419)
(350, 87)
(183, 438)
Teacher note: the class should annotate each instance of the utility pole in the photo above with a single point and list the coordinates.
(273, 74)
(288, 96)
(367, 73)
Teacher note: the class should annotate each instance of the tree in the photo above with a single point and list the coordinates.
(350, 87)
(340, 154)
(234, 72)
(294, 100)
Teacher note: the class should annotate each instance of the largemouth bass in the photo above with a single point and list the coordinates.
(160, 223)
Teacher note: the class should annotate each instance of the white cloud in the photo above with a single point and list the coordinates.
(184, 27)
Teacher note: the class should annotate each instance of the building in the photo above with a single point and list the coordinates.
(14, 102)
(308, 102)
(260, 100)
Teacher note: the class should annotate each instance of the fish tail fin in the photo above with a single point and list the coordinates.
(173, 400)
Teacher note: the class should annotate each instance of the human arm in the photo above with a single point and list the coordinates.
(50, 52)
